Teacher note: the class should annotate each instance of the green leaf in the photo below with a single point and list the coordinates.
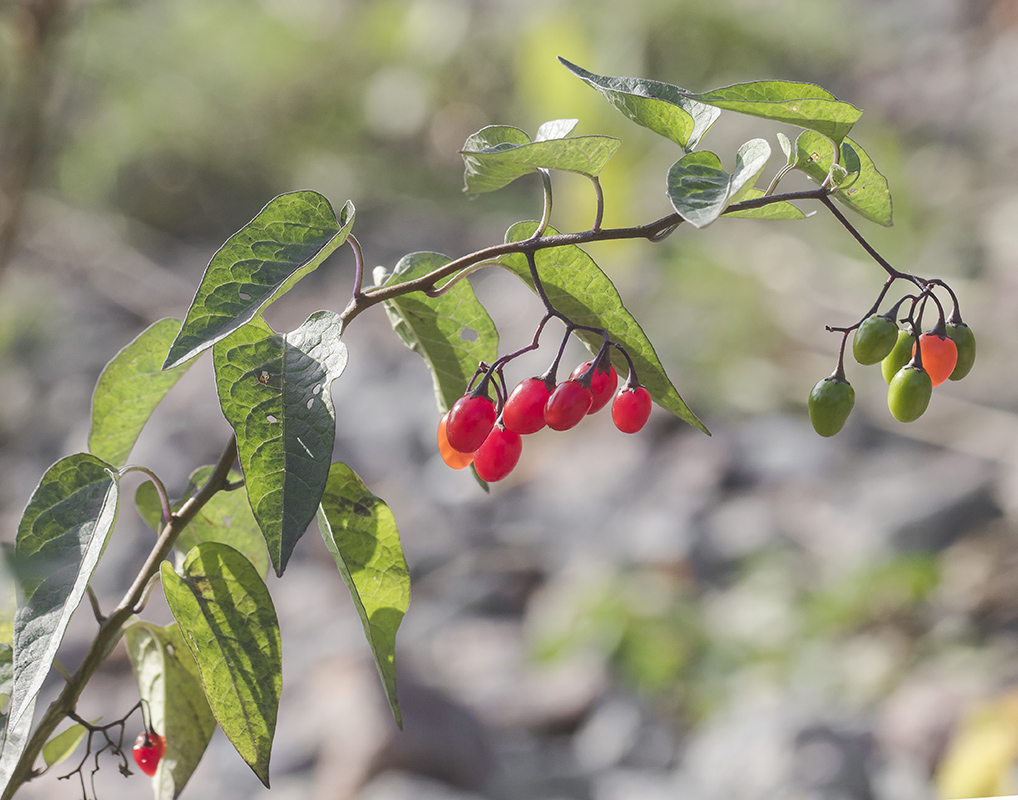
(555, 129)
(361, 534)
(229, 624)
(452, 332)
(128, 391)
(776, 211)
(63, 744)
(60, 540)
(803, 104)
(579, 289)
(274, 391)
(170, 685)
(868, 194)
(699, 188)
(288, 239)
(226, 518)
(495, 158)
(667, 110)
(786, 148)
(13, 741)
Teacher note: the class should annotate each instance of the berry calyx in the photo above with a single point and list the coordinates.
(939, 356)
(898, 357)
(524, 410)
(965, 341)
(471, 419)
(602, 384)
(567, 405)
(874, 339)
(909, 393)
(498, 455)
(452, 457)
(148, 751)
(631, 409)
(830, 403)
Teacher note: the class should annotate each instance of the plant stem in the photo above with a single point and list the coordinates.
(112, 628)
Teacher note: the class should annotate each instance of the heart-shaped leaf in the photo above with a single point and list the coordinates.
(700, 189)
(867, 194)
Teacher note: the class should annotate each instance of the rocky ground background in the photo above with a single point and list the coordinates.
(757, 614)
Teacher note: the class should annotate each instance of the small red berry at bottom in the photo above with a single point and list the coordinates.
(499, 455)
(631, 409)
(602, 384)
(148, 751)
(567, 405)
(470, 421)
(524, 410)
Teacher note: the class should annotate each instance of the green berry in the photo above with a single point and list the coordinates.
(909, 393)
(899, 356)
(966, 342)
(830, 403)
(874, 339)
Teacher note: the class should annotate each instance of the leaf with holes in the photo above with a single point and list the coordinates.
(229, 624)
(579, 289)
(699, 188)
(867, 193)
(226, 518)
(667, 110)
(288, 239)
(274, 390)
(129, 389)
(59, 542)
(499, 154)
(451, 332)
(169, 683)
(361, 534)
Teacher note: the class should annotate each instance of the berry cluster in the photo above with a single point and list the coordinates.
(911, 364)
(488, 435)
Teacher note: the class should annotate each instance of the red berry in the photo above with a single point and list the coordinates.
(453, 458)
(631, 409)
(499, 454)
(149, 748)
(602, 384)
(567, 405)
(524, 410)
(470, 421)
(940, 355)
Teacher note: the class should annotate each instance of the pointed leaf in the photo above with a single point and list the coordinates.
(699, 188)
(129, 389)
(452, 332)
(226, 518)
(667, 110)
(63, 744)
(170, 685)
(274, 391)
(786, 147)
(803, 104)
(229, 624)
(491, 162)
(868, 194)
(361, 534)
(579, 289)
(288, 239)
(555, 129)
(60, 539)
(776, 211)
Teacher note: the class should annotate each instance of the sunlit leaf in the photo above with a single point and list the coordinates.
(700, 189)
(61, 746)
(867, 194)
(170, 684)
(229, 624)
(274, 390)
(452, 332)
(361, 534)
(129, 389)
(60, 539)
(13, 741)
(578, 288)
(288, 239)
(667, 110)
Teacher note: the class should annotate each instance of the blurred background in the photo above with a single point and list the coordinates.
(758, 614)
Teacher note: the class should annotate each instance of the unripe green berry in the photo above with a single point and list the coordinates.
(899, 356)
(909, 393)
(966, 343)
(830, 403)
(874, 339)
